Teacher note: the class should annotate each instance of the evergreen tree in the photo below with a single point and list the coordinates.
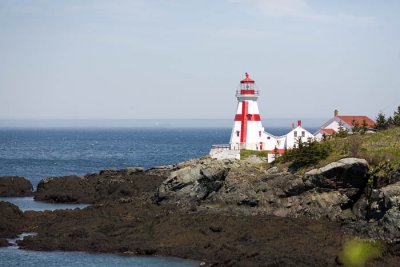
(381, 123)
(396, 117)
(342, 131)
(364, 127)
(389, 122)
(356, 126)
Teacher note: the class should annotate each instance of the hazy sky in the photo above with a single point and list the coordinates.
(184, 59)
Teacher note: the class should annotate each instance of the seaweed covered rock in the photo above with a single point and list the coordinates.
(108, 185)
(11, 220)
(15, 186)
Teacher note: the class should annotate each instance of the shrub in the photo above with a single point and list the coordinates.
(307, 154)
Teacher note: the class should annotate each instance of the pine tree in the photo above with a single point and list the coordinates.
(342, 131)
(356, 126)
(364, 127)
(381, 123)
(389, 122)
(396, 117)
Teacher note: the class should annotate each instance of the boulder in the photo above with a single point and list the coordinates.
(15, 186)
(4, 242)
(349, 175)
(195, 181)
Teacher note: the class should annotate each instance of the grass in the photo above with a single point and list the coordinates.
(246, 153)
(375, 148)
(380, 148)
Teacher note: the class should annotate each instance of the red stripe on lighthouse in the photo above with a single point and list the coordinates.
(250, 117)
(243, 130)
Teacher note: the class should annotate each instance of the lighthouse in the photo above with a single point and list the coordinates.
(247, 131)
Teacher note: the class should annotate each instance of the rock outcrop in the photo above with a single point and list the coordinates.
(108, 185)
(15, 186)
(381, 212)
(11, 220)
(195, 180)
(324, 192)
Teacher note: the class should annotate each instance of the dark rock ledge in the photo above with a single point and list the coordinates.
(15, 186)
(225, 213)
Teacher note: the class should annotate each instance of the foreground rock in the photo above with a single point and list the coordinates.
(15, 186)
(225, 213)
(108, 185)
(381, 210)
(223, 239)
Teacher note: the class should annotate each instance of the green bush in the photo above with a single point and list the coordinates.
(306, 154)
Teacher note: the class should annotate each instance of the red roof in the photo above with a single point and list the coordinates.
(247, 79)
(349, 120)
(328, 131)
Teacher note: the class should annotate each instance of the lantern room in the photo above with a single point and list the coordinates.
(247, 86)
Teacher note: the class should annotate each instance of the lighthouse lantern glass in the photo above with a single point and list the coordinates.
(247, 86)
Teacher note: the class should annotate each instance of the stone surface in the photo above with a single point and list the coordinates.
(15, 186)
(107, 185)
(195, 180)
(323, 192)
(11, 220)
(224, 213)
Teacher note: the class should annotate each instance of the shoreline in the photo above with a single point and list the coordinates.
(202, 210)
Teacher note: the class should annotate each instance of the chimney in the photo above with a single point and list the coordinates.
(336, 113)
(299, 123)
(292, 125)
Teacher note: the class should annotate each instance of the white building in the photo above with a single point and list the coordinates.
(345, 122)
(248, 132)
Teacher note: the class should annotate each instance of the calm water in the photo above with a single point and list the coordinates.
(27, 203)
(40, 153)
(13, 257)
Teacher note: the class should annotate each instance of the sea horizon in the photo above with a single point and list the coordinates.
(152, 123)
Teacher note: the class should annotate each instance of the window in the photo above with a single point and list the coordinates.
(268, 137)
(237, 133)
(295, 134)
(303, 133)
(259, 133)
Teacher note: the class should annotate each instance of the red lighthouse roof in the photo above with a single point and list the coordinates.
(247, 79)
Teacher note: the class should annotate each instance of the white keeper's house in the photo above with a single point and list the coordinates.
(248, 132)
(347, 123)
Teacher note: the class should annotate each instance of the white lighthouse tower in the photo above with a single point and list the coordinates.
(247, 131)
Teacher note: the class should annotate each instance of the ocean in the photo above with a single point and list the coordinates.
(41, 153)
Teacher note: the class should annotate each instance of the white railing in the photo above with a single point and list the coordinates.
(221, 146)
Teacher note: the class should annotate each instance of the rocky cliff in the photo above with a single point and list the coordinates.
(340, 191)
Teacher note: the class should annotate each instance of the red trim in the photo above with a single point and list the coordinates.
(250, 117)
(247, 92)
(243, 130)
(280, 151)
(247, 79)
